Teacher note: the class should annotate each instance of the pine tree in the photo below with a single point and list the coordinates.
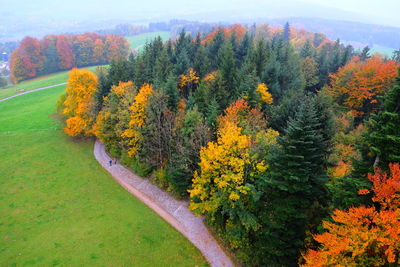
(282, 72)
(103, 87)
(307, 50)
(365, 54)
(286, 32)
(213, 111)
(214, 48)
(396, 56)
(182, 62)
(172, 93)
(384, 129)
(227, 67)
(244, 48)
(162, 67)
(295, 184)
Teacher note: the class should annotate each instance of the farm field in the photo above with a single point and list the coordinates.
(43, 81)
(386, 51)
(59, 207)
(138, 41)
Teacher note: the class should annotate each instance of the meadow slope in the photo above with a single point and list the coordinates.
(59, 207)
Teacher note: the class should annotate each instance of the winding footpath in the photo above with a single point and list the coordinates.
(31, 91)
(173, 211)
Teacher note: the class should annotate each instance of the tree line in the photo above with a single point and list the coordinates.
(278, 136)
(53, 53)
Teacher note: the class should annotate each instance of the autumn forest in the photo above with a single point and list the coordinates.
(288, 143)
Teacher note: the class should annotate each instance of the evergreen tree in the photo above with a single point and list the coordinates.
(213, 111)
(182, 62)
(364, 55)
(213, 49)
(260, 56)
(227, 68)
(247, 82)
(282, 72)
(396, 56)
(296, 183)
(119, 71)
(280, 113)
(201, 62)
(335, 59)
(163, 67)
(384, 129)
(382, 139)
(347, 55)
(244, 48)
(172, 93)
(103, 87)
(307, 50)
(51, 60)
(157, 146)
(286, 32)
(190, 137)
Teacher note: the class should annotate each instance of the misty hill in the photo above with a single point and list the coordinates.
(367, 34)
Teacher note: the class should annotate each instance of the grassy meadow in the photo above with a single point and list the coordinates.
(43, 81)
(138, 41)
(60, 208)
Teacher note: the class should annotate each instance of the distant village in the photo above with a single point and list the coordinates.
(4, 69)
(4, 61)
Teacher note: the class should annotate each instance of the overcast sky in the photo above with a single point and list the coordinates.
(384, 12)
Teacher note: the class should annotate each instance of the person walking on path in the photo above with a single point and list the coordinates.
(110, 162)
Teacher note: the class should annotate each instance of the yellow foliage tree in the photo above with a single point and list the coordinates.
(138, 117)
(79, 102)
(222, 163)
(112, 119)
(265, 96)
(188, 81)
(229, 163)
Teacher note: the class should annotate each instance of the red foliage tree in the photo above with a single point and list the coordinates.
(65, 52)
(26, 60)
(62, 52)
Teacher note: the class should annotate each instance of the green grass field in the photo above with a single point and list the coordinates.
(59, 207)
(43, 81)
(138, 41)
(387, 51)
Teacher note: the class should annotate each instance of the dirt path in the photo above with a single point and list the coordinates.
(30, 91)
(173, 211)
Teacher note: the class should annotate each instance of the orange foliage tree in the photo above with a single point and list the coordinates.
(364, 236)
(79, 102)
(358, 85)
(237, 29)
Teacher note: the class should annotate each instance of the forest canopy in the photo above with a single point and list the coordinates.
(273, 134)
